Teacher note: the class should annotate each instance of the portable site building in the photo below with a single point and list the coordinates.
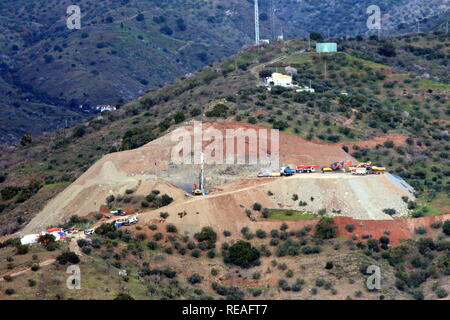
(29, 239)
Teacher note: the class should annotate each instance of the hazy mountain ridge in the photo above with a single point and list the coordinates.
(126, 47)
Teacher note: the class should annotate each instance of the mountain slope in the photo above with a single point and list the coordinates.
(126, 47)
(379, 100)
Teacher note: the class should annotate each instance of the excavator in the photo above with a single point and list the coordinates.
(335, 166)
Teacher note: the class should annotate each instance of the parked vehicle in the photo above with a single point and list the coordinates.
(334, 167)
(268, 173)
(131, 220)
(306, 169)
(117, 212)
(264, 174)
(88, 231)
(377, 170)
(370, 168)
(359, 171)
(286, 171)
(119, 223)
(70, 230)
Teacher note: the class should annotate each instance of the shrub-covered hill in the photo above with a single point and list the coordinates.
(156, 261)
(126, 47)
(356, 98)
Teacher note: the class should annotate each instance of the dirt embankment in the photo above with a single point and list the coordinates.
(340, 194)
(138, 170)
(152, 167)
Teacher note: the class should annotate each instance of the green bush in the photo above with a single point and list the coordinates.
(10, 291)
(35, 267)
(231, 293)
(436, 224)
(261, 234)
(105, 228)
(164, 215)
(242, 254)
(420, 230)
(171, 228)
(206, 234)
(10, 192)
(7, 278)
(257, 207)
(86, 250)
(326, 228)
(179, 117)
(152, 245)
(68, 257)
(157, 236)
(390, 211)
(195, 278)
(123, 296)
(211, 254)
(446, 227)
(52, 246)
(350, 227)
(195, 253)
(441, 293)
(219, 110)
(22, 249)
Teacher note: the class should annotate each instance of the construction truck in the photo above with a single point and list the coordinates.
(306, 168)
(370, 168)
(377, 170)
(268, 173)
(359, 171)
(286, 171)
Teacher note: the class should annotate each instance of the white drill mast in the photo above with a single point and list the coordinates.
(202, 175)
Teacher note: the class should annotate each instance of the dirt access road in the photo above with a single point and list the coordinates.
(16, 273)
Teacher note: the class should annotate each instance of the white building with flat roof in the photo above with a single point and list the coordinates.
(278, 79)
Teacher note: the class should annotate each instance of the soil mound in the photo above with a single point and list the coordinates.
(151, 167)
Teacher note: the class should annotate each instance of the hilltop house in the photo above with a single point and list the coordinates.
(105, 107)
(278, 79)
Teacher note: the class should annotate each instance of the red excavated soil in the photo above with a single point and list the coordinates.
(400, 228)
(293, 150)
(395, 230)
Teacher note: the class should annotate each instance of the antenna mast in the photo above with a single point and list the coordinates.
(256, 23)
(272, 18)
